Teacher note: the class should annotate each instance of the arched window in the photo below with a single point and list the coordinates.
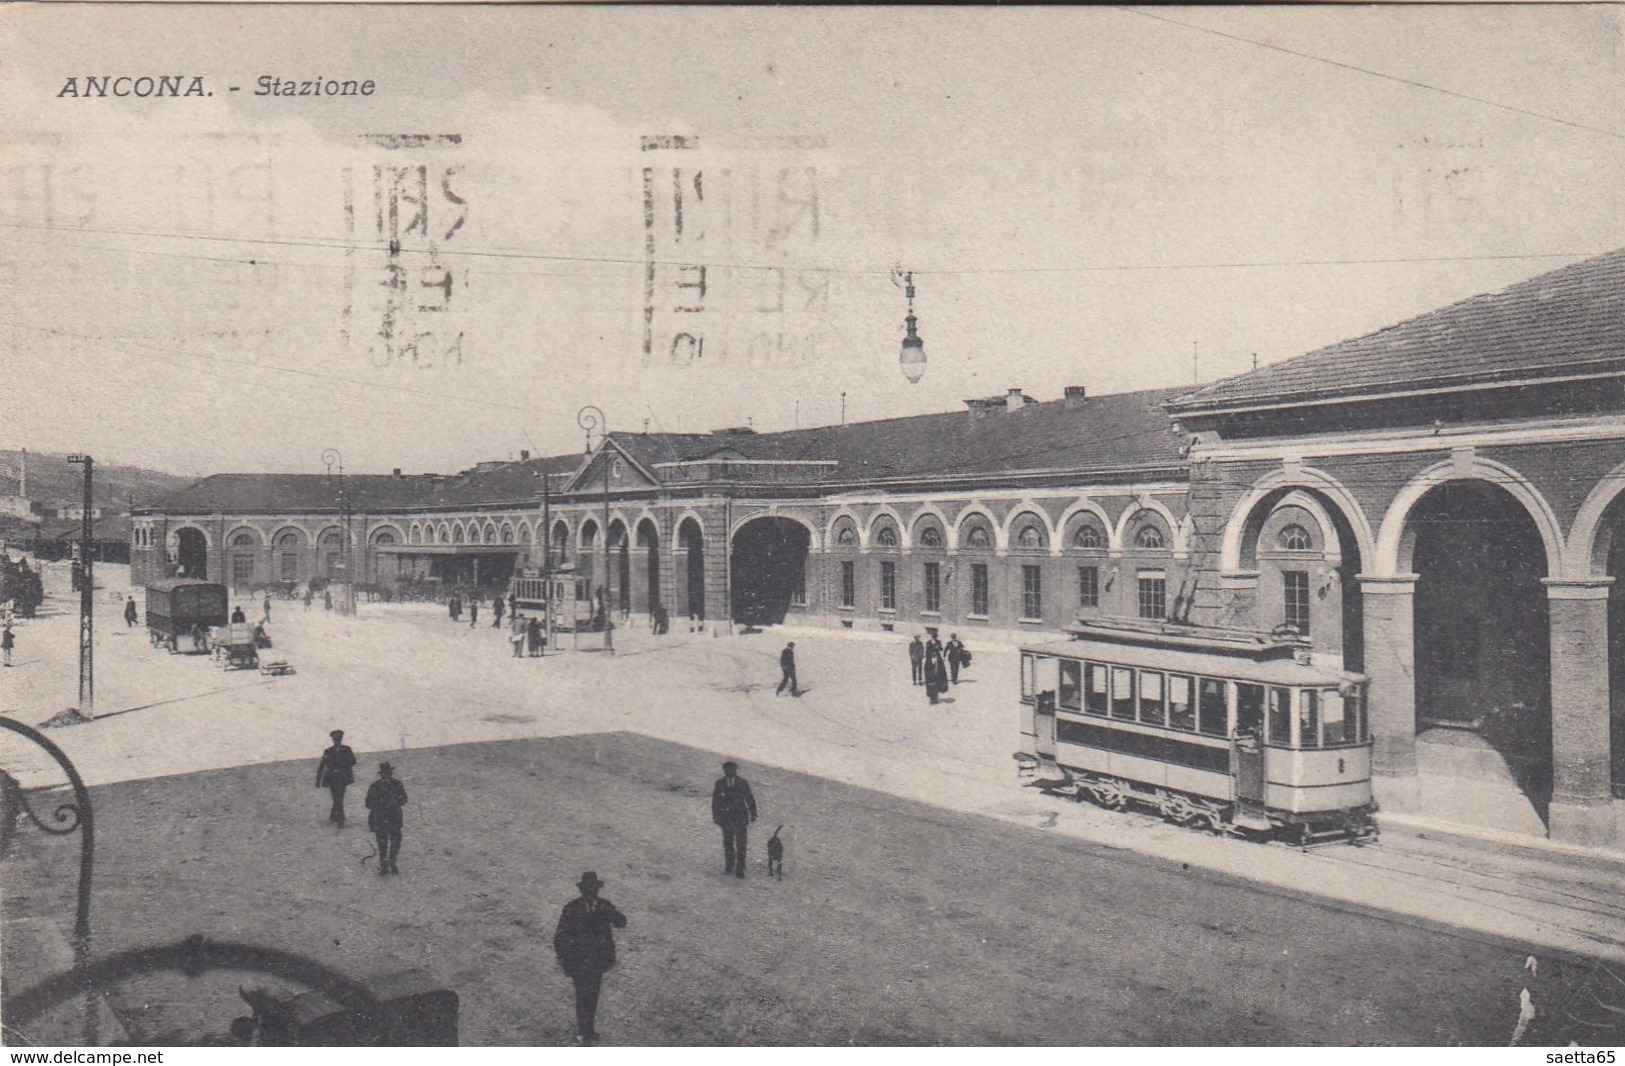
(1088, 537)
(1148, 537)
(846, 534)
(886, 537)
(490, 534)
(244, 540)
(457, 534)
(1295, 538)
(978, 537)
(507, 534)
(287, 540)
(1029, 538)
(930, 537)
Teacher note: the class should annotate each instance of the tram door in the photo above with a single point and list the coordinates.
(1247, 755)
(1046, 679)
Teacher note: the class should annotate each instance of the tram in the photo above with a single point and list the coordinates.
(1224, 729)
(562, 593)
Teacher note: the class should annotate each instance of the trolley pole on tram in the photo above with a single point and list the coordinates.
(87, 598)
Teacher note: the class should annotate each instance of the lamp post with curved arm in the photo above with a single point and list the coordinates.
(331, 457)
(590, 418)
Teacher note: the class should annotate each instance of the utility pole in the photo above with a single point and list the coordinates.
(87, 599)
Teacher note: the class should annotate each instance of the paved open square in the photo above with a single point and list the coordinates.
(928, 898)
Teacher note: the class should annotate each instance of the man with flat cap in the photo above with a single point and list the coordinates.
(733, 808)
(336, 772)
(385, 798)
(584, 943)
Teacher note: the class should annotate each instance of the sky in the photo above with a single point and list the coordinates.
(691, 218)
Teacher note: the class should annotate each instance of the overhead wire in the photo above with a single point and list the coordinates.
(1399, 79)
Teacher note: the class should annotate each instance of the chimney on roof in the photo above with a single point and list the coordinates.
(1075, 395)
(397, 472)
(524, 456)
(1015, 400)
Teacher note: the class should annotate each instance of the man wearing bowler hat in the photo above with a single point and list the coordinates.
(336, 772)
(585, 946)
(733, 808)
(385, 798)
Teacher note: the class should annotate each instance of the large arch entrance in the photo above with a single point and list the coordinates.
(1481, 632)
(767, 569)
(620, 551)
(649, 544)
(192, 554)
(1611, 551)
(691, 547)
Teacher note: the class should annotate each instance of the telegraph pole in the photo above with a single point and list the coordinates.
(87, 598)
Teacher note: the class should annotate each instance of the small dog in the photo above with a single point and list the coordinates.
(775, 855)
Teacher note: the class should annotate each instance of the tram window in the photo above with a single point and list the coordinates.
(1309, 719)
(1213, 711)
(1151, 709)
(1249, 710)
(1334, 717)
(1181, 710)
(1095, 694)
(1280, 717)
(1027, 678)
(1071, 688)
(1123, 693)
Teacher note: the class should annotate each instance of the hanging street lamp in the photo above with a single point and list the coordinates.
(912, 358)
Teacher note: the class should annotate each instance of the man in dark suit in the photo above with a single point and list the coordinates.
(954, 655)
(385, 798)
(585, 946)
(335, 773)
(916, 660)
(787, 665)
(733, 808)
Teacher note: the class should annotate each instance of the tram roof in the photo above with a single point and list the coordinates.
(1207, 664)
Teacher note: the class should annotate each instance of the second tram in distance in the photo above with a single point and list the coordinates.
(1225, 729)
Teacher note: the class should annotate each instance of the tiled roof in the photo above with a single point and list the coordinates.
(292, 493)
(1101, 434)
(501, 483)
(1570, 321)
(1121, 434)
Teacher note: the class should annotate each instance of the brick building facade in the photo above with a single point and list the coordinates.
(1433, 504)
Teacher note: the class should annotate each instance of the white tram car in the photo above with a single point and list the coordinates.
(1225, 729)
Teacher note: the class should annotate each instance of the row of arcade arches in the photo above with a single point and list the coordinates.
(1481, 554)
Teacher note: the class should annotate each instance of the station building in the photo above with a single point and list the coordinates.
(1434, 505)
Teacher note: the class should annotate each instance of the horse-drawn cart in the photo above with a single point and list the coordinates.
(180, 613)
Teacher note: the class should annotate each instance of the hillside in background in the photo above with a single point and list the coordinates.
(53, 482)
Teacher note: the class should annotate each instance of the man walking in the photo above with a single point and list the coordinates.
(955, 655)
(496, 612)
(265, 621)
(787, 664)
(473, 612)
(7, 642)
(129, 612)
(584, 944)
(916, 660)
(385, 798)
(733, 808)
(335, 773)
